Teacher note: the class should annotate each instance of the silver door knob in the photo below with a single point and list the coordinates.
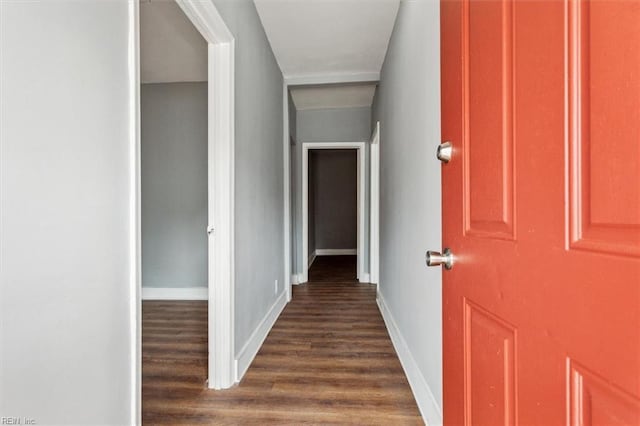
(435, 258)
(445, 150)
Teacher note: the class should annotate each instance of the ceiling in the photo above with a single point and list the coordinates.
(171, 49)
(341, 39)
(313, 38)
(333, 96)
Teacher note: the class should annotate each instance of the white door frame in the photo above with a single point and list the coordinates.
(374, 208)
(306, 147)
(221, 141)
(221, 136)
(286, 173)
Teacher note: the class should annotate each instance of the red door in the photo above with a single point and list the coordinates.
(541, 209)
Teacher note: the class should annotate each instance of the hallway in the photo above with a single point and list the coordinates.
(328, 359)
(334, 269)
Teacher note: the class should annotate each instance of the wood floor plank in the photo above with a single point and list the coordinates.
(328, 360)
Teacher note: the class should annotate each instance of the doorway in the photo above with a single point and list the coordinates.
(310, 251)
(215, 228)
(174, 198)
(333, 215)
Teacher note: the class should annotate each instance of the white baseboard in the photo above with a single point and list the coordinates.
(429, 407)
(365, 278)
(296, 279)
(335, 252)
(312, 258)
(251, 348)
(175, 293)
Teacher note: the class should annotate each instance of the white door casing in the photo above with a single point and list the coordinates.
(221, 136)
(360, 147)
(286, 172)
(374, 208)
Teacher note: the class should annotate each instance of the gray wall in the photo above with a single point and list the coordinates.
(408, 106)
(259, 195)
(293, 119)
(334, 125)
(67, 353)
(333, 209)
(174, 184)
(328, 125)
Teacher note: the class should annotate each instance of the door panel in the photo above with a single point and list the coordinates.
(488, 112)
(595, 402)
(489, 367)
(604, 132)
(541, 208)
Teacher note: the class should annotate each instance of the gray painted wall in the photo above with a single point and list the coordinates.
(67, 353)
(259, 195)
(328, 125)
(293, 123)
(334, 125)
(333, 209)
(407, 104)
(293, 184)
(174, 184)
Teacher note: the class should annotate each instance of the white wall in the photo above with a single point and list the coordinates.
(327, 125)
(174, 184)
(408, 106)
(259, 244)
(67, 301)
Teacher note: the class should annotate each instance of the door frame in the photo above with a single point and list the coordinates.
(221, 164)
(360, 147)
(286, 190)
(221, 160)
(374, 207)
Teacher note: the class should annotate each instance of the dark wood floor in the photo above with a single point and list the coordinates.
(327, 360)
(333, 269)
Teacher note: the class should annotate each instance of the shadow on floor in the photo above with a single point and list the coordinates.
(335, 269)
